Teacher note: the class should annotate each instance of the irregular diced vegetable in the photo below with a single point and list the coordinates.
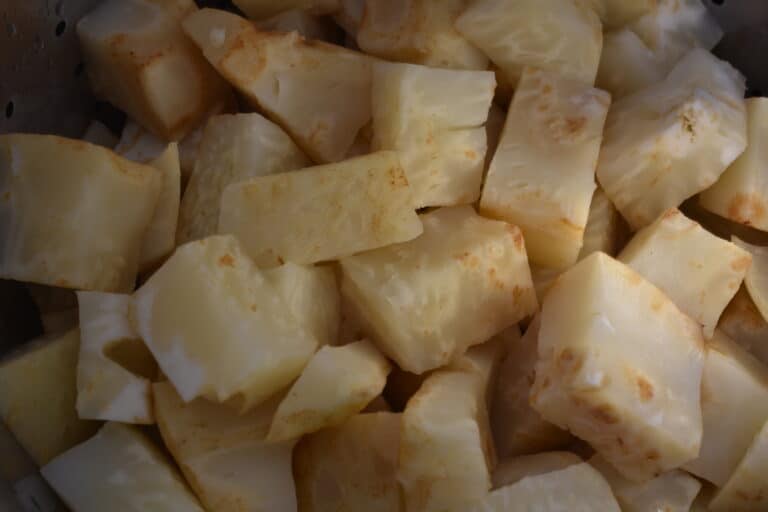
(515, 469)
(627, 65)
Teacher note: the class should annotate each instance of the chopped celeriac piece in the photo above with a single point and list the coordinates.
(542, 176)
(38, 391)
(442, 150)
(98, 133)
(743, 323)
(673, 491)
(303, 22)
(57, 223)
(225, 456)
(697, 270)
(233, 148)
(734, 405)
(338, 382)
(217, 328)
(560, 36)
(463, 281)
(747, 488)
(515, 469)
(322, 213)
(351, 467)
(599, 373)
(160, 237)
(617, 13)
(118, 469)
(577, 488)
(107, 390)
(418, 31)
(260, 9)
(674, 139)
(756, 280)
(319, 93)
(605, 230)
(139, 59)
(627, 65)
(518, 429)
(443, 464)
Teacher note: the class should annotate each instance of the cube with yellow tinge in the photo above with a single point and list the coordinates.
(542, 176)
(72, 214)
(217, 328)
(460, 283)
(599, 373)
(322, 213)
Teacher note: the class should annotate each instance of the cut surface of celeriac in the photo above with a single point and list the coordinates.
(599, 375)
(606, 230)
(513, 470)
(160, 237)
(460, 283)
(757, 276)
(441, 149)
(743, 323)
(54, 230)
(217, 328)
(319, 93)
(542, 176)
(322, 213)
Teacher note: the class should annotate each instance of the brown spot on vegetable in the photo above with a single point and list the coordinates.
(747, 208)
(227, 261)
(652, 455)
(645, 389)
(604, 413)
(742, 264)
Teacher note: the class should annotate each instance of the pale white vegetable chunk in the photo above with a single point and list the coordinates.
(743, 323)
(463, 281)
(756, 280)
(225, 456)
(747, 488)
(734, 404)
(105, 389)
(627, 65)
(322, 213)
(312, 295)
(303, 22)
(260, 9)
(697, 270)
(617, 13)
(338, 382)
(217, 328)
(319, 93)
(160, 236)
(233, 148)
(542, 176)
(418, 31)
(434, 119)
(442, 464)
(118, 469)
(139, 60)
(515, 469)
(599, 373)
(605, 230)
(560, 36)
(58, 220)
(577, 488)
(673, 491)
(741, 193)
(517, 428)
(138, 144)
(350, 468)
(670, 141)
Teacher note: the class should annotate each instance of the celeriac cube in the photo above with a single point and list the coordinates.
(577, 488)
(542, 176)
(139, 60)
(319, 93)
(160, 236)
(303, 22)
(312, 295)
(600, 376)
(742, 322)
(515, 469)
(418, 31)
(627, 65)
(741, 193)
(350, 468)
(747, 489)
(670, 141)
(58, 226)
(233, 148)
(260, 9)
(442, 464)
(118, 469)
(697, 270)
(517, 428)
(734, 404)
(560, 36)
(37, 396)
(442, 149)
(673, 491)
(105, 389)
(217, 328)
(463, 281)
(338, 382)
(97, 133)
(606, 230)
(225, 456)
(321, 213)
(617, 13)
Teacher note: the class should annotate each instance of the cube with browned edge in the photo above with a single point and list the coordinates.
(600, 376)
(72, 214)
(139, 59)
(318, 92)
(460, 283)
